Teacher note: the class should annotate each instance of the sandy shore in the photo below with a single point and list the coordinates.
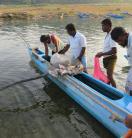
(50, 10)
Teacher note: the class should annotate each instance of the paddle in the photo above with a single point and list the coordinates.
(22, 81)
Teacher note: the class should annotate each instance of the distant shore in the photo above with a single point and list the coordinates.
(61, 10)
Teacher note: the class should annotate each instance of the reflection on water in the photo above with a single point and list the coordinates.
(32, 110)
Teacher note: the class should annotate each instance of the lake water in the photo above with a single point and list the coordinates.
(29, 111)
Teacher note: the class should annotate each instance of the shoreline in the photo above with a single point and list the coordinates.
(52, 10)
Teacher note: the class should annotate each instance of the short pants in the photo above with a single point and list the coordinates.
(109, 62)
(84, 62)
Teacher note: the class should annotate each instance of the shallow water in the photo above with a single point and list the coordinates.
(27, 110)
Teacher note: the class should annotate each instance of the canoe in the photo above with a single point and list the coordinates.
(116, 16)
(89, 92)
(83, 15)
(126, 13)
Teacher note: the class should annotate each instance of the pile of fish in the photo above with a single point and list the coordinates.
(66, 69)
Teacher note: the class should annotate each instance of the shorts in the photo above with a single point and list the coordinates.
(109, 62)
(84, 62)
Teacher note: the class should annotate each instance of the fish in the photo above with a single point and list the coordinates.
(63, 70)
(64, 64)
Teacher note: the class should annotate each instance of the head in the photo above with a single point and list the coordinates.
(120, 35)
(71, 30)
(106, 25)
(45, 39)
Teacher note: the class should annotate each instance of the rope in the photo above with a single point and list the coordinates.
(20, 35)
(22, 81)
(27, 44)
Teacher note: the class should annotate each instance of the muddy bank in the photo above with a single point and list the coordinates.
(19, 15)
(48, 11)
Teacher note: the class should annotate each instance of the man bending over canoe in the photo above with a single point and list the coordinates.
(109, 51)
(53, 42)
(124, 39)
(76, 44)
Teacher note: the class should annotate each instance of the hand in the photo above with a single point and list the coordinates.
(61, 52)
(36, 48)
(128, 121)
(100, 54)
(79, 58)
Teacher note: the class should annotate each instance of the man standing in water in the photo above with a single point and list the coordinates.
(109, 51)
(77, 45)
(124, 39)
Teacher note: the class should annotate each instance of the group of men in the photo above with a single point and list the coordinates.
(77, 44)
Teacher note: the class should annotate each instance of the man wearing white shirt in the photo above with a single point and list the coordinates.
(109, 51)
(124, 39)
(77, 45)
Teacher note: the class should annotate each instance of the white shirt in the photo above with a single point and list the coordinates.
(108, 44)
(129, 57)
(128, 86)
(129, 49)
(77, 43)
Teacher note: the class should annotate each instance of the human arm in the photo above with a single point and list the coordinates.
(55, 41)
(82, 53)
(109, 47)
(64, 50)
(46, 49)
(111, 52)
(83, 44)
(56, 47)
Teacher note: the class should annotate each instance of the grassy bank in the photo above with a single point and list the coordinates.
(48, 10)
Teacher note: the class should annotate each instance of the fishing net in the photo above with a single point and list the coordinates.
(63, 59)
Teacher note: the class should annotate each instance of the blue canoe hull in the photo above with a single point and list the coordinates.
(117, 103)
(116, 16)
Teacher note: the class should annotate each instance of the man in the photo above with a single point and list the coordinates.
(109, 51)
(124, 39)
(76, 44)
(53, 42)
